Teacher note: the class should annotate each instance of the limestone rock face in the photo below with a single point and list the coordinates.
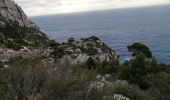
(79, 52)
(10, 10)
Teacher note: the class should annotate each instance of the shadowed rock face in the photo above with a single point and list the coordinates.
(10, 10)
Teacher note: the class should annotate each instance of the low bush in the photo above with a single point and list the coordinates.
(159, 85)
(91, 63)
(1, 65)
(108, 68)
(131, 91)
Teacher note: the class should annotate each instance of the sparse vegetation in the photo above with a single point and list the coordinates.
(31, 79)
(21, 36)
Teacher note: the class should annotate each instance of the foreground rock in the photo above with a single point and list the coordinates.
(120, 97)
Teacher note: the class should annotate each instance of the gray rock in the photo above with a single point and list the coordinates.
(79, 52)
(120, 97)
(10, 10)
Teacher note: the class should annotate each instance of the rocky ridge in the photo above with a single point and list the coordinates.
(10, 10)
(78, 52)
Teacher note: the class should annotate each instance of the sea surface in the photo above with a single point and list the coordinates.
(117, 28)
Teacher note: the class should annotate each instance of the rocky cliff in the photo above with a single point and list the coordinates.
(10, 10)
(16, 30)
(18, 38)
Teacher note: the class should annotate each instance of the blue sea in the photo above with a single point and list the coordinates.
(117, 28)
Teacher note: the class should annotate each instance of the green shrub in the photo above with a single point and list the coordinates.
(58, 52)
(12, 45)
(91, 51)
(159, 85)
(92, 38)
(131, 91)
(53, 43)
(154, 67)
(108, 68)
(138, 67)
(135, 71)
(1, 65)
(90, 64)
(138, 47)
(70, 40)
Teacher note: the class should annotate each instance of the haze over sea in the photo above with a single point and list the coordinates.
(117, 28)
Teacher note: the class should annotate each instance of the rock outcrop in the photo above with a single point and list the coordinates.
(16, 30)
(10, 10)
(79, 52)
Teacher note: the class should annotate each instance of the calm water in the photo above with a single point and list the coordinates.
(117, 28)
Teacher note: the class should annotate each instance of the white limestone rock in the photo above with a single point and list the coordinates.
(120, 97)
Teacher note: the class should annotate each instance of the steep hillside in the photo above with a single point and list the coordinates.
(16, 30)
(14, 36)
(10, 10)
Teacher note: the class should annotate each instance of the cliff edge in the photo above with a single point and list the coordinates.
(10, 10)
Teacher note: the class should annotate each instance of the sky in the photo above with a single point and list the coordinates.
(45, 7)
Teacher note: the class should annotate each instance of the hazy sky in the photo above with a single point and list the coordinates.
(44, 7)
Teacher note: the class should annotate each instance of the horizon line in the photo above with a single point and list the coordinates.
(88, 11)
